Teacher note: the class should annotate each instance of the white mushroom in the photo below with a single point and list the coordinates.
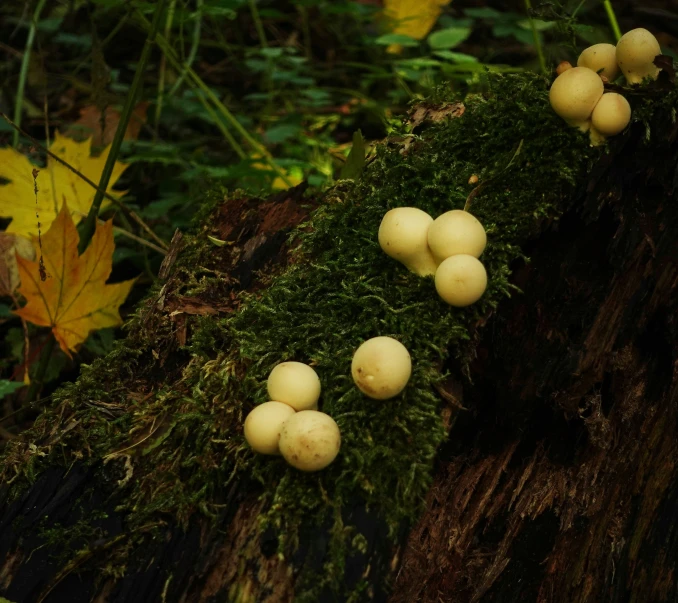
(461, 280)
(263, 425)
(601, 58)
(296, 384)
(454, 232)
(574, 95)
(310, 440)
(381, 367)
(636, 51)
(403, 236)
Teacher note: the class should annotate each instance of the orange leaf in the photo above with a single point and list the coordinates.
(74, 299)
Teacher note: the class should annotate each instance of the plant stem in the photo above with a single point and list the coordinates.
(163, 69)
(43, 364)
(258, 24)
(226, 114)
(108, 196)
(195, 42)
(90, 222)
(612, 18)
(25, 62)
(537, 40)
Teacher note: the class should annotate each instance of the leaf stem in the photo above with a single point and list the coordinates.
(258, 24)
(194, 48)
(108, 196)
(90, 222)
(163, 68)
(612, 17)
(25, 63)
(535, 35)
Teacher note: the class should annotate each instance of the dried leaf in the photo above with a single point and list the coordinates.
(55, 183)
(73, 300)
(10, 246)
(413, 18)
(90, 124)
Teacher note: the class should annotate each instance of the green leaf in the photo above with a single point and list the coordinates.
(448, 38)
(5, 312)
(539, 25)
(355, 162)
(282, 132)
(483, 13)
(455, 57)
(6, 388)
(402, 39)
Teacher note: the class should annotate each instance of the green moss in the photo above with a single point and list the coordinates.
(341, 291)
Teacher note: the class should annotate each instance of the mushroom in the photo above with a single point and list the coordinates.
(381, 367)
(601, 58)
(454, 232)
(263, 425)
(611, 115)
(636, 51)
(563, 66)
(403, 236)
(574, 95)
(461, 280)
(310, 440)
(295, 384)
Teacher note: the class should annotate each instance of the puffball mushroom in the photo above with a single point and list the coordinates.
(454, 232)
(310, 440)
(263, 425)
(403, 236)
(574, 94)
(461, 280)
(381, 367)
(636, 50)
(611, 115)
(562, 67)
(295, 384)
(600, 56)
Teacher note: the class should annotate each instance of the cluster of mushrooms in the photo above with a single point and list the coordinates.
(291, 425)
(447, 247)
(578, 93)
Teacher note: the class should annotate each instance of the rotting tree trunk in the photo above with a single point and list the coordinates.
(558, 482)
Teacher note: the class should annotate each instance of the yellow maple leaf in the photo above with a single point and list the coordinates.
(55, 183)
(12, 245)
(74, 299)
(413, 18)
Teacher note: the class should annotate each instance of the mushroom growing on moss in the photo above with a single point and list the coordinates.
(454, 232)
(295, 384)
(263, 425)
(403, 236)
(636, 51)
(381, 367)
(601, 58)
(611, 115)
(310, 440)
(461, 280)
(574, 95)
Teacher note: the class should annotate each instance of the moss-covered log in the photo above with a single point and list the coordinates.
(532, 456)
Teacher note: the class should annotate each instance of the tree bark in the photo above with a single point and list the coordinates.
(557, 482)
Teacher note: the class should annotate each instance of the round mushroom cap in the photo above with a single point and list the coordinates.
(636, 51)
(381, 367)
(263, 425)
(454, 232)
(574, 94)
(310, 440)
(461, 280)
(294, 383)
(403, 236)
(600, 56)
(611, 115)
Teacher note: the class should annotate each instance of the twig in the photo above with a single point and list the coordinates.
(90, 222)
(43, 364)
(23, 75)
(108, 196)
